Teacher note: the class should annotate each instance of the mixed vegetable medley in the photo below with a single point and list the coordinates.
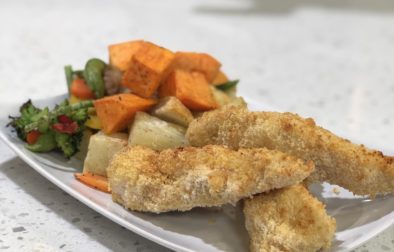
(44, 130)
(146, 95)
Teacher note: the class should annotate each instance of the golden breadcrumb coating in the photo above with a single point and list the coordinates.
(337, 160)
(179, 179)
(288, 219)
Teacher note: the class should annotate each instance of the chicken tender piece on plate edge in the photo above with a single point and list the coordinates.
(179, 179)
(337, 160)
(288, 219)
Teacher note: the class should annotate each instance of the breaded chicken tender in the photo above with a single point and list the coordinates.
(288, 219)
(179, 179)
(337, 160)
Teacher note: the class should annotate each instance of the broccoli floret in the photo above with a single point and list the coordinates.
(80, 115)
(28, 114)
(66, 143)
(65, 122)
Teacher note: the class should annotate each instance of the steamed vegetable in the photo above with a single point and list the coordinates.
(117, 112)
(28, 115)
(46, 130)
(32, 136)
(94, 76)
(73, 99)
(93, 122)
(46, 142)
(81, 90)
(69, 75)
(191, 88)
(94, 181)
(151, 132)
(137, 73)
(227, 85)
(42, 119)
(147, 68)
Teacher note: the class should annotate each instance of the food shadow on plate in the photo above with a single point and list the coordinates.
(257, 7)
(353, 211)
(58, 161)
(213, 225)
(350, 211)
(71, 210)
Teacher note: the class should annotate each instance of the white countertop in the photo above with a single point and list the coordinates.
(331, 60)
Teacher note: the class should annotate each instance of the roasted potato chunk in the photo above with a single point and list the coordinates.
(152, 132)
(220, 97)
(172, 110)
(101, 149)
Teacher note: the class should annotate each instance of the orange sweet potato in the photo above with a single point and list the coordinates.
(148, 67)
(200, 62)
(120, 54)
(220, 79)
(116, 112)
(191, 88)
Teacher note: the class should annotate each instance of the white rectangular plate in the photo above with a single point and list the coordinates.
(215, 229)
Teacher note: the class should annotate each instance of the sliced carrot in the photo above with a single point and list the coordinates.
(95, 181)
(32, 136)
(148, 67)
(191, 88)
(116, 112)
(81, 90)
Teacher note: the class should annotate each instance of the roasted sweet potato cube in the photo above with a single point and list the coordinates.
(197, 62)
(120, 54)
(116, 112)
(220, 79)
(147, 68)
(191, 88)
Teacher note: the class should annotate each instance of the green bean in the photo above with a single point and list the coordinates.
(93, 74)
(78, 73)
(227, 85)
(46, 142)
(69, 76)
(64, 109)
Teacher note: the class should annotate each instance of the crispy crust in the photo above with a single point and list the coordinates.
(337, 160)
(288, 219)
(179, 179)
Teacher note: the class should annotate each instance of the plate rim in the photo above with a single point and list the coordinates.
(129, 225)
